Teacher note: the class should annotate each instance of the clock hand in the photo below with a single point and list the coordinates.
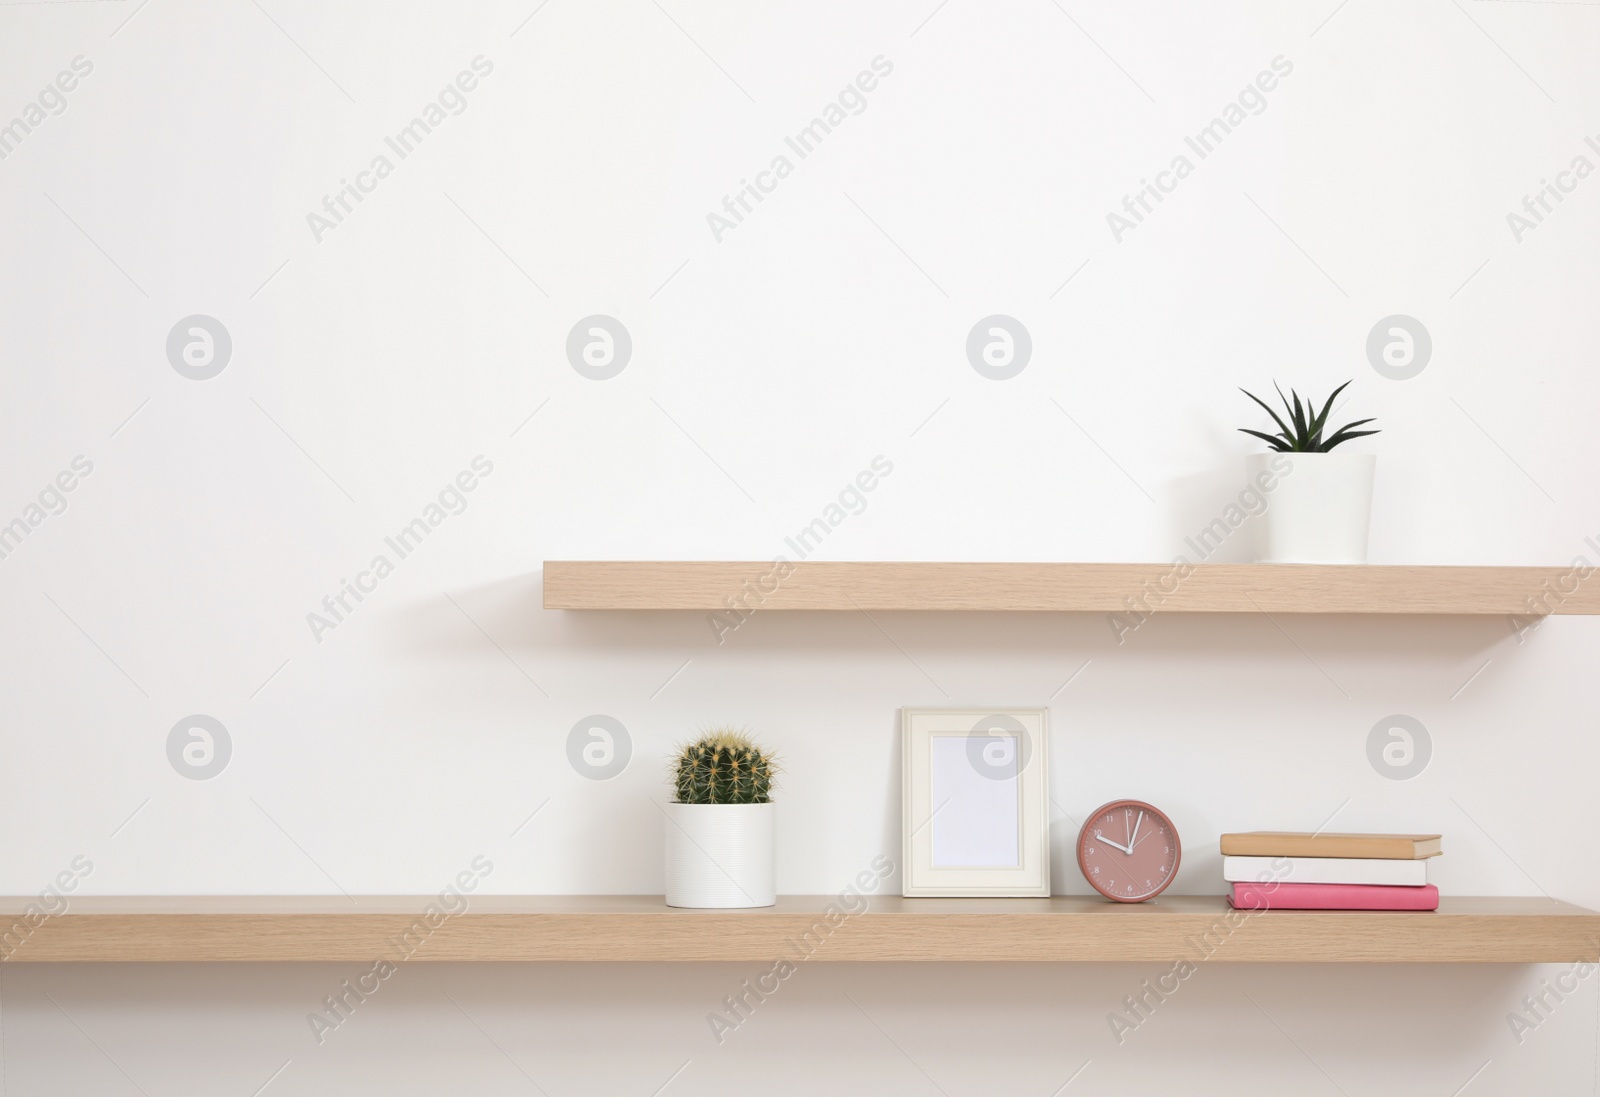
(1145, 837)
(1133, 839)
(1113, 845)
(1109, 841)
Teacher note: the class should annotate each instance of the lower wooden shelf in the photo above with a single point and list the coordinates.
(642, 928)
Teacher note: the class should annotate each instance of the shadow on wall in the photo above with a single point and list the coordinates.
(1200, 530)
(509, 612)
(1018, 1028)
(890, 839)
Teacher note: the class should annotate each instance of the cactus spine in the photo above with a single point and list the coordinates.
(724, 767)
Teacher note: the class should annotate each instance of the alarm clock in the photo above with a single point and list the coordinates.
(1129, 851)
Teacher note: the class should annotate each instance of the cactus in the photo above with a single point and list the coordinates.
(723, 767)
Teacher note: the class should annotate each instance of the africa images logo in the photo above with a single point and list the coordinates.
(451, 100)
(1253, 98)
(853, 98)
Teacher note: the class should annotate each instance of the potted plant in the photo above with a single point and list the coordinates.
(720, 827)
(1319, 503)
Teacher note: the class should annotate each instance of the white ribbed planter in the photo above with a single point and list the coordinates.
(720, 855)
(1319, 511)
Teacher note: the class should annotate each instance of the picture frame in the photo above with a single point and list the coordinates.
(975, 802)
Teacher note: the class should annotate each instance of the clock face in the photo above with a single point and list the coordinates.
(1128, 851)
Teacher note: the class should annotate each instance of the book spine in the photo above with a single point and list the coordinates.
(1325, 870)
(1333, 897)
(1364, 849)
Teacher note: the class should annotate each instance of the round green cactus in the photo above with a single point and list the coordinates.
(724, 767)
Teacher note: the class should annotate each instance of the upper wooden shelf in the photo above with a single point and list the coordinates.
(1065, 587)
(643, 928)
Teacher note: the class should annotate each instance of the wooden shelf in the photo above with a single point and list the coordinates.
(1061, 587)
(643, 928)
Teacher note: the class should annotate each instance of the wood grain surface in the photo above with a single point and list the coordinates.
(643, 928)
(1064, 587)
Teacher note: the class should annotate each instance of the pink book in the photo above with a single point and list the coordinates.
(1333, 897)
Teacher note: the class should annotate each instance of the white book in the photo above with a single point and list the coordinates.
(1324, 870)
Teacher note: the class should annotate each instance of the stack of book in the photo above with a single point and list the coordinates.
(1275, 870)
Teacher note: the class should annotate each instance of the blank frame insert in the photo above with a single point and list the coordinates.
(975, 813)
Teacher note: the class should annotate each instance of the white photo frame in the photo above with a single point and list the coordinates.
(975, 802)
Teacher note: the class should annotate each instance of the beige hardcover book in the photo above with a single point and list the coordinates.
(1278, 843)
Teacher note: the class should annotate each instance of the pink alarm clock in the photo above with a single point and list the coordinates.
(1129, 851)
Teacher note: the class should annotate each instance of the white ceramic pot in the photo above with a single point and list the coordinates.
(720, 855)
(1318, 511)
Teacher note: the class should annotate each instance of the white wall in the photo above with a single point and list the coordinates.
(371, 367)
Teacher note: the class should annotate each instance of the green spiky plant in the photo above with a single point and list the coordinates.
(724, 766)
(1304, 431)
